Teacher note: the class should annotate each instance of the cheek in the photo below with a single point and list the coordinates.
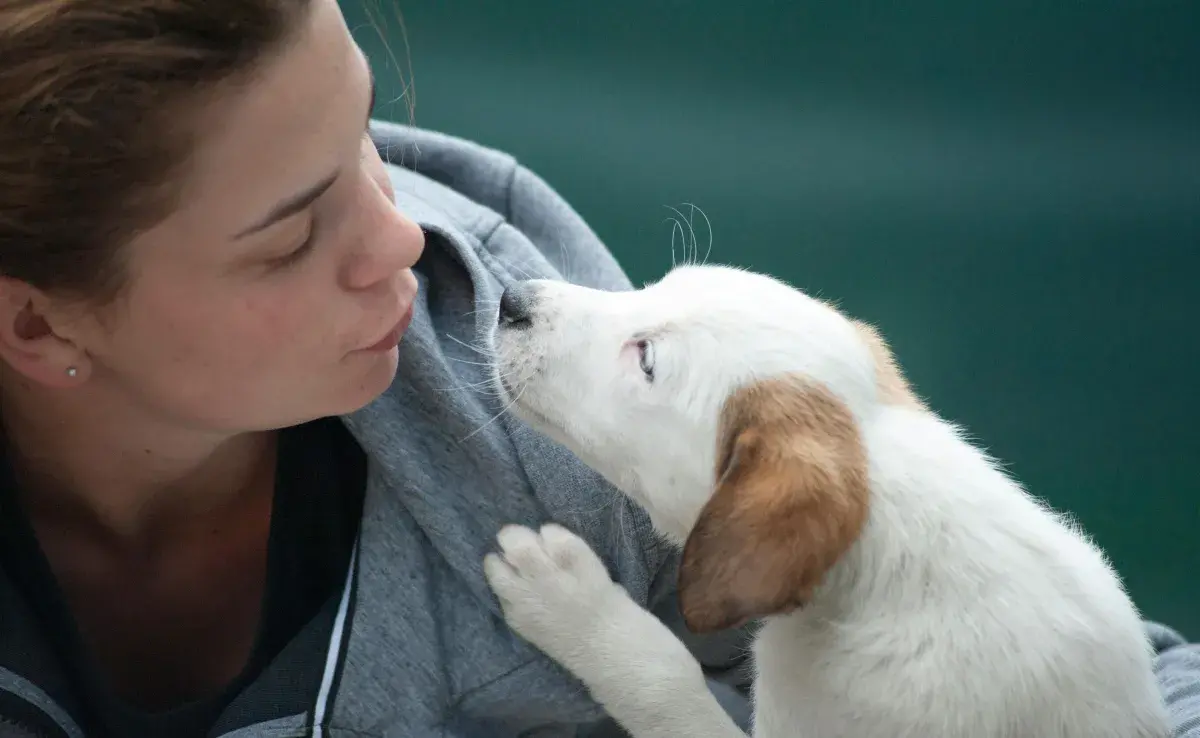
(222, 334)
(298, 326)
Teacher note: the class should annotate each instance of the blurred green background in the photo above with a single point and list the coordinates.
(1011, 191)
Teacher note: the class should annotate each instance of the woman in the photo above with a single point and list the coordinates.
(250, 470)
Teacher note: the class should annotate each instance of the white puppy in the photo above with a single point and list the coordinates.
(909, 588)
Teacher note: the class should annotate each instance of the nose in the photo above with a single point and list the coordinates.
(516, 305)
(386, 244)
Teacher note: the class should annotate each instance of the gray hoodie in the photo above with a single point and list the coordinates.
(418, 646)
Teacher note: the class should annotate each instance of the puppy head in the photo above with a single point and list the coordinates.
(724, 402)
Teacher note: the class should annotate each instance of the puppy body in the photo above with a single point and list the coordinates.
(976, 612)
(909, 587)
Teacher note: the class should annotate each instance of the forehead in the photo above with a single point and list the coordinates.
(729, 299)
(737, 326)
(277, 131)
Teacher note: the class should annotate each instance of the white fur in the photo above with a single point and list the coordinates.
(966, 609)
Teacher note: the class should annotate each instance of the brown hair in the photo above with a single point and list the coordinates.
(94, 98)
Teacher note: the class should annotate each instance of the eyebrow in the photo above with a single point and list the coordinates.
(298, 202)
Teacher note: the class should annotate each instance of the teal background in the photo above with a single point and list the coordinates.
(1011, 191)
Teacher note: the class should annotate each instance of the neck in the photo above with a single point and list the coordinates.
(670, 500)
(95, 460)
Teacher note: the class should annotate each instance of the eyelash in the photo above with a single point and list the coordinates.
(646, 358)
(298, 253)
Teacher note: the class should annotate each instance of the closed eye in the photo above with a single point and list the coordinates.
(299, 252)
(645, 349)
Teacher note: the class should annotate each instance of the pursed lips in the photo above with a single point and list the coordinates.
(392, 334)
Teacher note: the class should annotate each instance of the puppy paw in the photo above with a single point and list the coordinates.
(552, 587)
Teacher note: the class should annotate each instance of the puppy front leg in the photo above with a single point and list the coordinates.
(556, 593)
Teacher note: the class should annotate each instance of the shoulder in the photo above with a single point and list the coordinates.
(513, 213)
(449, 466)
(1177, 666)
(489, 222)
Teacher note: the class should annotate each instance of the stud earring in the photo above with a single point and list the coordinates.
(72, 371)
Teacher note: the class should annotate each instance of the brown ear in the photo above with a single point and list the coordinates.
(791, 497)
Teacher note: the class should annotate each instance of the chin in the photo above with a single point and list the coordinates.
(370, 380)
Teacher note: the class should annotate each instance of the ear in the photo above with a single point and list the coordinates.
(791, 497)
(30, 341)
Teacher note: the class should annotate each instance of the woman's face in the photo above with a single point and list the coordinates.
(277, 292)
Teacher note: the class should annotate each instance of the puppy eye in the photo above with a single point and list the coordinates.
(646, 358)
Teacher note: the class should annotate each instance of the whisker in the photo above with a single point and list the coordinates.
(495, 417)
(477, 349)
(485, 309)
(672, 244)
(486, 392)
(707, 226)
(470, 363)
(695, 246)
(487, 384)
(677, 227)
(519, 268)
(567, 264)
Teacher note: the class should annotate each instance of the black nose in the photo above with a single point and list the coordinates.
(516, 305)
